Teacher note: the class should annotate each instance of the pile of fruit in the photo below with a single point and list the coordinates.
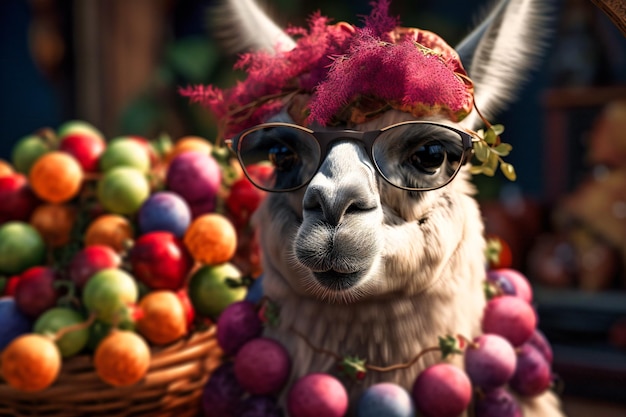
(110, 248)
(511, 356)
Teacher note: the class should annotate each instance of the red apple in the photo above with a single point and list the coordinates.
(86, 146)
(190, 313)
(243, 199)
(9, 285)
(35, 291)
(90, 260)
(160, 260)
(18, 200)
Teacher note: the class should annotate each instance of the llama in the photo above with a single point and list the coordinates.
(374, 243)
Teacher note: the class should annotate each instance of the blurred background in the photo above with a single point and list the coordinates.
(118, 64)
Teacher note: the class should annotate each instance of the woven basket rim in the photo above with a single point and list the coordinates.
(175, 379)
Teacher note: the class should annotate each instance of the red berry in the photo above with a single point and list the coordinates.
(442, 390)
(510, 317)
(519, 282)
(317, 395)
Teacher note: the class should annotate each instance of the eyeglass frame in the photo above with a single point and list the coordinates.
(326, 138)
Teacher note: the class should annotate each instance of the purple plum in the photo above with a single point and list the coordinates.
(262, 366)
(197, 178)
(164, 211)
(490, 361)
(222, 393)
(497, 403)
(238, 324)
(13, 322)
(259, 406)
(533, 374)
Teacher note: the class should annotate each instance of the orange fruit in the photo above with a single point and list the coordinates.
(122, 358)
(163, 318)
(56, 177)
(54, 223)
(211, 239)
(190, 143)
(31, 362)
(5, 168)
(111, 230)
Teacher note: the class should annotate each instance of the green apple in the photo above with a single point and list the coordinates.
(125, 152)
(110, 294)
(123, 190)
(26, 151)
(21, 246)
(58, 318)
(211, 292)
(76, 126)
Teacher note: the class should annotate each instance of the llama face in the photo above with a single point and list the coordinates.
(353, 235)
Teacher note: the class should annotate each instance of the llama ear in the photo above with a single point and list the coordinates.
(242, 26)
(502, 50)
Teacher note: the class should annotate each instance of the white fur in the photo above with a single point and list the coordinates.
(506, 52)
(242, 25)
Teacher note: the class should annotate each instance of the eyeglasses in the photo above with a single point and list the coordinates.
(412, 155)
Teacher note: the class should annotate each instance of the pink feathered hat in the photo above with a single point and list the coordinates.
(340, 74)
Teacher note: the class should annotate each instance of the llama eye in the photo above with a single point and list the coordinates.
(428, 157)
(282, 157)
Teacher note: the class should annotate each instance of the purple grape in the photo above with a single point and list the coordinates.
(164, 211)
(492, 363)
(533, 374)
(442, 390)
(497, 403)
(385, 399)
(222, 393)
(541, 343)
(262, 366)
(259, 406)
(238, 324)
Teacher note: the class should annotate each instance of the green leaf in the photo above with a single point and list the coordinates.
(352, 367)
(502, 149)
(476, 169)
(449, 345)
(491, 165)
(508, 171)
(481, 150)
(497, 129)
(490, 136)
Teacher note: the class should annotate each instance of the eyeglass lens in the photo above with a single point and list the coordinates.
(413, 156)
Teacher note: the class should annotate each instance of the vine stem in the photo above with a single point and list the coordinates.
(74, 327)
(369, 367)
(403, 365)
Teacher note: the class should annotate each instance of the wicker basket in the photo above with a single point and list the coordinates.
(172, 387)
